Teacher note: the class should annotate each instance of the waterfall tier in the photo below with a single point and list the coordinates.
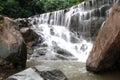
(68, 34)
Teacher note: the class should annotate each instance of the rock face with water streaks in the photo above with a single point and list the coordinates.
(106, 50)
(39, 73)
(12, 46)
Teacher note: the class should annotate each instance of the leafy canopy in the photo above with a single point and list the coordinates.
(26, 8)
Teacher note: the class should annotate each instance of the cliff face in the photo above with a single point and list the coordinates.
(106, 49)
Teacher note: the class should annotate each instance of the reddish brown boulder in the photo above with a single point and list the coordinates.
(12, 46)
(106, 49)
(29, 36)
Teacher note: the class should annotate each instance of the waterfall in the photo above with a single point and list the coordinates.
(68, 34)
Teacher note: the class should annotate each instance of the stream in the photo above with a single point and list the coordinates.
(76, 70)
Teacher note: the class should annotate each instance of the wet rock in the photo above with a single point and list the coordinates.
(29, 36)
(43, 53)
(73, 38)
(103, 10)
(96, 13)
(31, 39)
(63, 51)
(12, 46)
(39, 73)
(106, 50)
(95, 27)
(87, 28)
(118, 2)
(22, 22)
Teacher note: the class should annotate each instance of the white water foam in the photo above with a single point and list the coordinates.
(60, 37)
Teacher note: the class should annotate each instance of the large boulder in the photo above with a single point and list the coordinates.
(39, 73)
(30, 37)
(106, 50)
(12, 46)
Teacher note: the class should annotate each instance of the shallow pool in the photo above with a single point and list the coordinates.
(76, 70)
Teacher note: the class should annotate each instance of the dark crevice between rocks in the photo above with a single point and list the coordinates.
(1, 19)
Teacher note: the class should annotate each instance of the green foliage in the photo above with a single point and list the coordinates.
(52, 5)
(1, 8)
(1, 5)
(26, 8)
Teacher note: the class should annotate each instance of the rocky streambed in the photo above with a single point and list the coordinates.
(76, 70)
(73, 70)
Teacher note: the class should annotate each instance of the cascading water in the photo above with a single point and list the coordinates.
(60, 43)
(68, 34)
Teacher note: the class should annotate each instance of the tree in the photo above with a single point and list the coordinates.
(22, 2)
(26, 8)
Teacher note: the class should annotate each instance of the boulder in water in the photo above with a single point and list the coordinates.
(12, 46)
(29, 36)
(39, 73)
(106, 50)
